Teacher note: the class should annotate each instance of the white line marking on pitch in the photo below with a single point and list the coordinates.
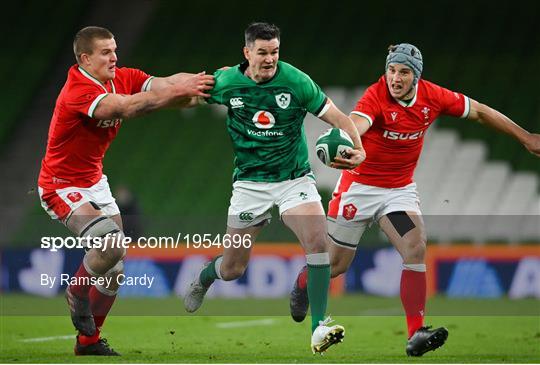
(51, 338)
(253, 323)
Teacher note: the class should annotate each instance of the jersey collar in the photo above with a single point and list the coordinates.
(96, 81)
(411, 103)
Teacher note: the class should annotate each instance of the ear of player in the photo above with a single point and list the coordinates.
(333, 143)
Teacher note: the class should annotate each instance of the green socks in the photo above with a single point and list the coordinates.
(318, 266)
(211, 272)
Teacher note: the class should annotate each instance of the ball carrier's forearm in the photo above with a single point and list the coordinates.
(338, 119)
(345, 123)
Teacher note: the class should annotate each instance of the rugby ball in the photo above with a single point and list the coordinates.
(331, 144)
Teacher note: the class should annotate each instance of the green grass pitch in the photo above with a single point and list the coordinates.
(158, 331)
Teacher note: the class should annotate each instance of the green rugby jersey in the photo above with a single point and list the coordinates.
(265, 121)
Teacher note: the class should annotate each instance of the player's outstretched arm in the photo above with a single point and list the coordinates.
(115, 106)
(338, 119)
(158, 83)
(495, 119)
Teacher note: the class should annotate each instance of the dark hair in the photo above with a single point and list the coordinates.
(84, 40)
(264, 31)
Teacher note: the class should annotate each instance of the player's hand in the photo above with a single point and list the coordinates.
(356, 157)
(533, 144)
(195, 85)
(224, 68)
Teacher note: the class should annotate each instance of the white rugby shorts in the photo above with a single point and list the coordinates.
(61, 203)
(252, 202)
(355, 206)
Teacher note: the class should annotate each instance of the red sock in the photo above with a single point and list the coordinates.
(83, 283)
(101, 305)
(413, 298)
(302, 278)
(88, 340)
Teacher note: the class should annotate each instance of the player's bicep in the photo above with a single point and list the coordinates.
(110, 106)
(361, 122)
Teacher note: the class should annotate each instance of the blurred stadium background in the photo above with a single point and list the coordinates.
(480, 190)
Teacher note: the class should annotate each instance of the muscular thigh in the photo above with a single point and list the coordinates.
(81, 217)
(308, 223)
(405, 230)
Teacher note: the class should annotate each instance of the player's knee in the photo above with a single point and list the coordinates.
(415, 249)
(232, 271)
(112, 248)
(113, 254)
(116, 270)
(316, 242)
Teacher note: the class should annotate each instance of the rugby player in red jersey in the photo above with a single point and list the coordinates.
(97, 96)
(392, 117)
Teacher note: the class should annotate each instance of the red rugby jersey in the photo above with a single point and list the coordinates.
(77, 142)
(394, 141)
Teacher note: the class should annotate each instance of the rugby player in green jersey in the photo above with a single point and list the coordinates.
(267, 101)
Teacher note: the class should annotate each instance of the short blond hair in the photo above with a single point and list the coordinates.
(84, 40)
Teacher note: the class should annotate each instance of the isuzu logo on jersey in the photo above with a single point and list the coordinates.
(264, 119)
(283, 100)
(402, 136)
(109, 123)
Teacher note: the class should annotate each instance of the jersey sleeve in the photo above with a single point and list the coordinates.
(84, 98)
(311, 96)
(368, 106)
(453, 103)
(139, 80)
(216, 94)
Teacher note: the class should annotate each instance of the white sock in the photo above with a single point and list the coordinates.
(318, 259)
(415, 267)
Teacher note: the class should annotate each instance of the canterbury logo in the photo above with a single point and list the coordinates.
(246, 216)
(236, 103)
